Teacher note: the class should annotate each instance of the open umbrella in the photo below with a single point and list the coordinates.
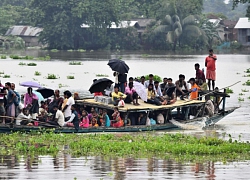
(46, 92)
(140, 90)
(30, 84)
(99, 85)
(118, 66)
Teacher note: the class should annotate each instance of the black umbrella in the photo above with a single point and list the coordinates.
(118, 65)
(46, 92)
(99, 85)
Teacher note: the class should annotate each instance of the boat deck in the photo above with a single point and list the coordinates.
(142, 107)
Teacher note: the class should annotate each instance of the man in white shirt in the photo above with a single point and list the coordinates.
(23, 118)
(59, 117)
(67, 108)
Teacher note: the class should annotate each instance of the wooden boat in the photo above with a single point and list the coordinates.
(128, 109)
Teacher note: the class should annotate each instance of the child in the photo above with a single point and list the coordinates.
(84, 123)
(117, 121)
(142, 119)
(100, 118)
(94, 123)
(194, 89)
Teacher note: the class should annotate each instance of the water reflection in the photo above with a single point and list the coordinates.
(64, 166)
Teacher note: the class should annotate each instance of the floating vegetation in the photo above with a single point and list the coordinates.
(6, 76)
(21, 57)
(54, 50)
(3, 57)
(75, 63)
(70, 77)
(145, 55)
(62, 85)
(52, 76)
(1, 72)
(248, 97)
(248, 75)
(22, 64)
(70, 50)
(245, 90)
(102, 75)
(241, 94)
(247, 83)
(229, 91)
(86, 72)
(237, 73)
(156, 78)
(178, 146)
(37, 73)
(81, 50)
(31, 64)
(240, 99)
(247, 71)
(45, 58)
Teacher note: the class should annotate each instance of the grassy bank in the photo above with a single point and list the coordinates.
(178, 146)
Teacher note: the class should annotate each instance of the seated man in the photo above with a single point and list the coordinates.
(209, 106)
(116, 95)
(74, 120)
(152, 97)
(163, 85)
(23, 118)
(59, 117)
(181, 86)
(132, 96)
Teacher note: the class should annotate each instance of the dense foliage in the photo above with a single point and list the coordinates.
(175, 25)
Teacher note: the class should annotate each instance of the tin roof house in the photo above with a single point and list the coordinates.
(243, 27)
(28, 33)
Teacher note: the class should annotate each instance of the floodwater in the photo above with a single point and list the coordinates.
(230, 69)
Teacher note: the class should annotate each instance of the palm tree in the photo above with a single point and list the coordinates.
(176, 28)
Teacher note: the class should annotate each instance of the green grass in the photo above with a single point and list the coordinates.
(3, 57)
(229, 91)
(244, 90)
(70, 77)
(75, 63)
(37, 73)
(240, 99)
(31, 64)
(6, 76)
(52, 76)
(168, 146)
(22, 64)
(247, 83)
(102, 75)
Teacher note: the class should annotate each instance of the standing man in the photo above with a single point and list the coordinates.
(210, 64)
(10, 107)
(199, 76)
(67, 108)
(3, 92)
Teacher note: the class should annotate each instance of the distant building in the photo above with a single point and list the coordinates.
(27, 33)
(243, 27)
(120, 25)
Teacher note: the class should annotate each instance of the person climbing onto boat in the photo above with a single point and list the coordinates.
(67, 108)
(211, 69)
(106, 118)
(116, 95)
(131, 95)
(84, 123)
(209, 106)
(117, 121)
(74, 120)
(152, 96)
(181, 86)
(194, 89)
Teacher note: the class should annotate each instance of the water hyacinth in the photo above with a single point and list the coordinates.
(176, 146)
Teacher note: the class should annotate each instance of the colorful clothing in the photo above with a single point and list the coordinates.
(107, 121)
(194, 94)
(84, 122)
(210, 64)
(211, 75)
(29, 99)
(129, 91)
(117, 95)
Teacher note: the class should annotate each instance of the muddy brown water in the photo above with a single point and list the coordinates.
(230, 69)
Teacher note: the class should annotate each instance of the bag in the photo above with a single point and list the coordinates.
(152, 121)
(121, 103)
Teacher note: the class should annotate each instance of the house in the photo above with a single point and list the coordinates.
(28, 33)
(230, 33)
(219, 28)
(120, 25)
(243, 27)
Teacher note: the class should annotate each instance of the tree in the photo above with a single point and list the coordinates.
(237, 2)
(175, 28)
(62, 19)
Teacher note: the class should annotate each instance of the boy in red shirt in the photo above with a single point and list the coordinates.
(210, 64)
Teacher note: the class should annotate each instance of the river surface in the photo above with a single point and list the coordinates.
(230, 69)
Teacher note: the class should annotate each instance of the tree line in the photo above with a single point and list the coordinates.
(177, 24)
